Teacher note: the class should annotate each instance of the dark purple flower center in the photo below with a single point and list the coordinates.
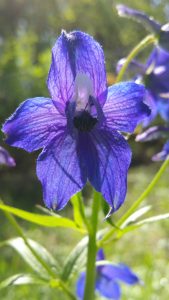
(84, 121)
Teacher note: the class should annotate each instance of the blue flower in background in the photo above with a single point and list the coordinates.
(154, 74)
(5, 158)
(78, 126)
(163, 154)
(161, 31)
(154, 133)
(156, 80)
(108, 277)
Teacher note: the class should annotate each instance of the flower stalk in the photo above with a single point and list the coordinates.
(92, 250)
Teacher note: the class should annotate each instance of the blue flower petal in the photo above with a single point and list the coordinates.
(163, 154)
(5, 158)
(157, 79)
(153, 133)
(163, 108)
(60, 172)
(107, 158)
(33, 124)
(139, 16)
(76, 52)
(124, 107)
(119, 272)
(108, 288)
(100, 255)
(80, 286)
(151, 102)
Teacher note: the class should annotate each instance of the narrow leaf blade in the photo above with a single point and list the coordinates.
(22, 249)
(43, 220)
(21, 279)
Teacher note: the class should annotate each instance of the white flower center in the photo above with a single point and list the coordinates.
(83, 89)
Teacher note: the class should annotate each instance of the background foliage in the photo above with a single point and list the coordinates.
(28, 29)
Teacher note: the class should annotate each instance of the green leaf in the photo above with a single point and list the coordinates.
(76, 260)
(136, 215)
(21, 279)
(19, 245)
(153, 219)
(141, 223)
(43, 220)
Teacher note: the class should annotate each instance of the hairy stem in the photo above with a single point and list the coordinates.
(150, 39)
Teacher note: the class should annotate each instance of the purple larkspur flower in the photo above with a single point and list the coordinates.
(161, 31)
(154, 74)
(108, 277)
(78, 126)
(5, 158)
(156, 80)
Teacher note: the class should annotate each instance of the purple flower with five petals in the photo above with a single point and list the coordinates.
(5, 158)
(78, 127)
(107, 279)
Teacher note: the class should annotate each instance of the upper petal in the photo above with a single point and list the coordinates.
(76, 52)
(33, 124)
(107, 158)
(5, 158)
(120, 272)
(124, 107)
(60, 172)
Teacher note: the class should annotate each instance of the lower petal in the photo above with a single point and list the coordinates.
(80, 286)
(108, 288)
(60, 172)
(107, 159)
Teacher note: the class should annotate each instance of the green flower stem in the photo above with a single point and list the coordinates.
(136, 204)
(92, 250)
(150, 39)
(41, 261)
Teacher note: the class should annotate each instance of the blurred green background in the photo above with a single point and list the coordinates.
(28, 29)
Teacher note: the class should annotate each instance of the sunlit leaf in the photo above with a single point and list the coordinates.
(43, 220)
(76, 260)
(141, 223)
(136, 215)
(153, 219)
(23, 250)
(77, 210)
(21, 279)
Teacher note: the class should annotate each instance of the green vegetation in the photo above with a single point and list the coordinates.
(28, 29)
